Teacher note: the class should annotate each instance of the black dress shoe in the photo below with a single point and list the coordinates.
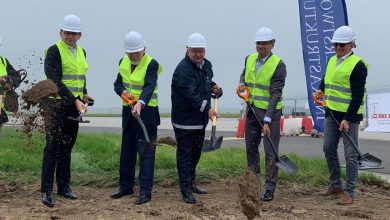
(120, 193)
(142, 199)
(67, 194)
(196, 189)
(267, 196)
(47, 199)
(188, 197)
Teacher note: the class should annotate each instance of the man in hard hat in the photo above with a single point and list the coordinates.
(265, 75)
(344, 88)
(137, 80)
(7, 72)
(191, 88)
(65, 63)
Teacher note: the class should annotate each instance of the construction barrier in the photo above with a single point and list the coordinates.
(307, 125)
(289, 126)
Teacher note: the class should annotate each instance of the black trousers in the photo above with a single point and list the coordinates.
(61, 134)
(189, 149)
(131, 134)
(252, 141)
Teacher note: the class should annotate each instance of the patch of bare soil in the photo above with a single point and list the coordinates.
(221, 202)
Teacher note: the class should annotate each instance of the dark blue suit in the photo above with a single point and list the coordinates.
(132, 133)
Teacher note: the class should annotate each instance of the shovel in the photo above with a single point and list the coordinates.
(367, 160)
(131, 103)
(81, 114)
(283, 162)
(214, 143)
(79, 118)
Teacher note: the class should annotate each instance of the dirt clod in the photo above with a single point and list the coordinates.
(167, 140)
(249, 195)
(39, 92)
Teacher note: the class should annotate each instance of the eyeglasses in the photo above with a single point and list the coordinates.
(339, 44)
(197, 51)
(264, 42)
(70, 33)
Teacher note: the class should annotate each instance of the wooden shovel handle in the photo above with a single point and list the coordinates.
(216, 111)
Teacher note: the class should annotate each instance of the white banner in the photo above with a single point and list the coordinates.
(378, 114)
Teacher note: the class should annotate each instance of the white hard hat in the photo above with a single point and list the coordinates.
(343, 34)
(71, 23)
(264, 34)
(196, 40)
(134, 42)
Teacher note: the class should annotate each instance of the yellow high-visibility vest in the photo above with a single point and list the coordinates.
(337, 84)
(73, 69)
(134, 81)
(259, 83)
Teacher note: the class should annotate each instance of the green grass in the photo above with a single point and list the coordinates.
(95, 161)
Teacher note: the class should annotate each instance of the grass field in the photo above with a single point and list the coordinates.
(95, 161)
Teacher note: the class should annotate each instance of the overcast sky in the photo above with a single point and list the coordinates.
(28, 27)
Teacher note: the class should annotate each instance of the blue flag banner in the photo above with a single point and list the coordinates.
(319, 19)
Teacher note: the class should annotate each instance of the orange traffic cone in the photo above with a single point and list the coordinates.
(241, 127)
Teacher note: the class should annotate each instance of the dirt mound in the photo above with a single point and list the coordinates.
(249, 195)
(39, 92)
(167, 140)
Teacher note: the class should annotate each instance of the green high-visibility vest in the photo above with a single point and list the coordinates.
(3, 66)
(337, 84)
(134, 81)
(3, 72)
(73, 68)
(259, 83)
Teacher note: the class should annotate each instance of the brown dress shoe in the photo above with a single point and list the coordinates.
(345, 199)
(332, 191)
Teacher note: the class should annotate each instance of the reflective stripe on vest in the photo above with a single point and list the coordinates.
(3, 72)
(259, 83)
(73, 69)
(134, 81)
(337, 84)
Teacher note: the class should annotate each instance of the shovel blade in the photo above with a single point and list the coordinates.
(212, 144)
(287, 165)
(369, 160)
(207, 146)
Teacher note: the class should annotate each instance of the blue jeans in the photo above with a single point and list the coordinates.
(331, 140)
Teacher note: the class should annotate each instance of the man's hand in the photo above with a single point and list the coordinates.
(344, 125)
(137, 108)
(2, 79)
(127, 94)
(87, 98)
(217, 91)
(241, 87)
(266, 130)
(318, 93)
(212, 113)
(81, 107)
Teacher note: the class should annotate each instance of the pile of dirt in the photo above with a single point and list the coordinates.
(249, 195)
(39, 92)
(167, 140)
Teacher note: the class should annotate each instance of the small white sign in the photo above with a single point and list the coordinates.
(378, 114)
